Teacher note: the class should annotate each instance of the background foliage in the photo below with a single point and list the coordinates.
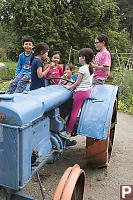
(61, 24)
(65, 23)
(125, 82)
(126, 16)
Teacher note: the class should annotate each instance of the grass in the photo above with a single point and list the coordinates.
(7, 72)
(9, 64)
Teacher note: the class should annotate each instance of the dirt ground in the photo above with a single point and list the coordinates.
(101, 184)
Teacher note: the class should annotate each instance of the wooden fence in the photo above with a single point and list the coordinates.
(123, 61)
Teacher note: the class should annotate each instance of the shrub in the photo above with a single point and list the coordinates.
(4, 85)
(6, 73)
(125, 82)
(2, 54)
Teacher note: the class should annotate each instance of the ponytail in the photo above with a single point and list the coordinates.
(32, 57)
(90, 69)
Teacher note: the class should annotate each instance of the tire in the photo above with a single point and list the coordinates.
(71, 185)
(98, 152)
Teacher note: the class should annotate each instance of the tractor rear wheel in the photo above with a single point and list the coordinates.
(98, 152)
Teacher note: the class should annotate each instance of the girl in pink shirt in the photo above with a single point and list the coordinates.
(56, 69)
(102, 61)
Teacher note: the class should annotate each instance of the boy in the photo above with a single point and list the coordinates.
(23, 70)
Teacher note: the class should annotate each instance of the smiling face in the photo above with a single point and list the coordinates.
(56, 58)
(28, 46)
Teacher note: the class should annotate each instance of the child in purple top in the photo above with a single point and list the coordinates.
(102, 61)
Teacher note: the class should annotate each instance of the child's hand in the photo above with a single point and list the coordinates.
(52, 65)
(67, 86)
(46, 60)
(65, 76)
(92, 65)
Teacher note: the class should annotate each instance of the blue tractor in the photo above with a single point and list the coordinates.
(29, 127)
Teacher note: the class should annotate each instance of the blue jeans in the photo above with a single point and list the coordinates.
(19, 83)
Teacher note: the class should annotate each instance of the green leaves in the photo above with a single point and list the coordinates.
(125, 82)
(126, 15)
(61, 23)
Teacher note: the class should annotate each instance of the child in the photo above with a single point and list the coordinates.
(37, 69)
(82, 85)
(56, 69)
(68, 70)
(102, 61)
(23, 70)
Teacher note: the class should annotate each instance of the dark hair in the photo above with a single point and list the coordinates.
(27, 39)
(88, 54)
(55, 52)
(103, 38)
(70, 65)
(39, 49)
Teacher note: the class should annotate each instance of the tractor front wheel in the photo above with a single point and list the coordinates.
(71, 185)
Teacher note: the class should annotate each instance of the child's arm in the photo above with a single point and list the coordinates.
(52, 65)
(105, 64)
(40, 74)
(74, 85)
(19, 66)
(61, 71)
(106, 68)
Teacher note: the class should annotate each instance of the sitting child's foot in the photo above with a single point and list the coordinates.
(71, 143)
(65, 134)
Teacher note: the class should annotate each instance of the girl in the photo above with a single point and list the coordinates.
(82, 85)
(102, 61)
(37, 69)
(56, 69)
(68, 70)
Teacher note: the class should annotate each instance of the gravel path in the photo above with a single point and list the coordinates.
(101, 184)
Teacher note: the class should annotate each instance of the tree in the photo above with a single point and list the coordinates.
(126, 15)
(62, 23)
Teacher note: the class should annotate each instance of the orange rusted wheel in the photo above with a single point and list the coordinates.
(98, 152)
(71, 185)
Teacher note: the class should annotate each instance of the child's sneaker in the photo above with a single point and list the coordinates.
(65, 135)
(70, 143)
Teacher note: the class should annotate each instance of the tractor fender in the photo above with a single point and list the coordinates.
(97, 111)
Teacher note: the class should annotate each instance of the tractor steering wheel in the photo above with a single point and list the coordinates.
(52, 80)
